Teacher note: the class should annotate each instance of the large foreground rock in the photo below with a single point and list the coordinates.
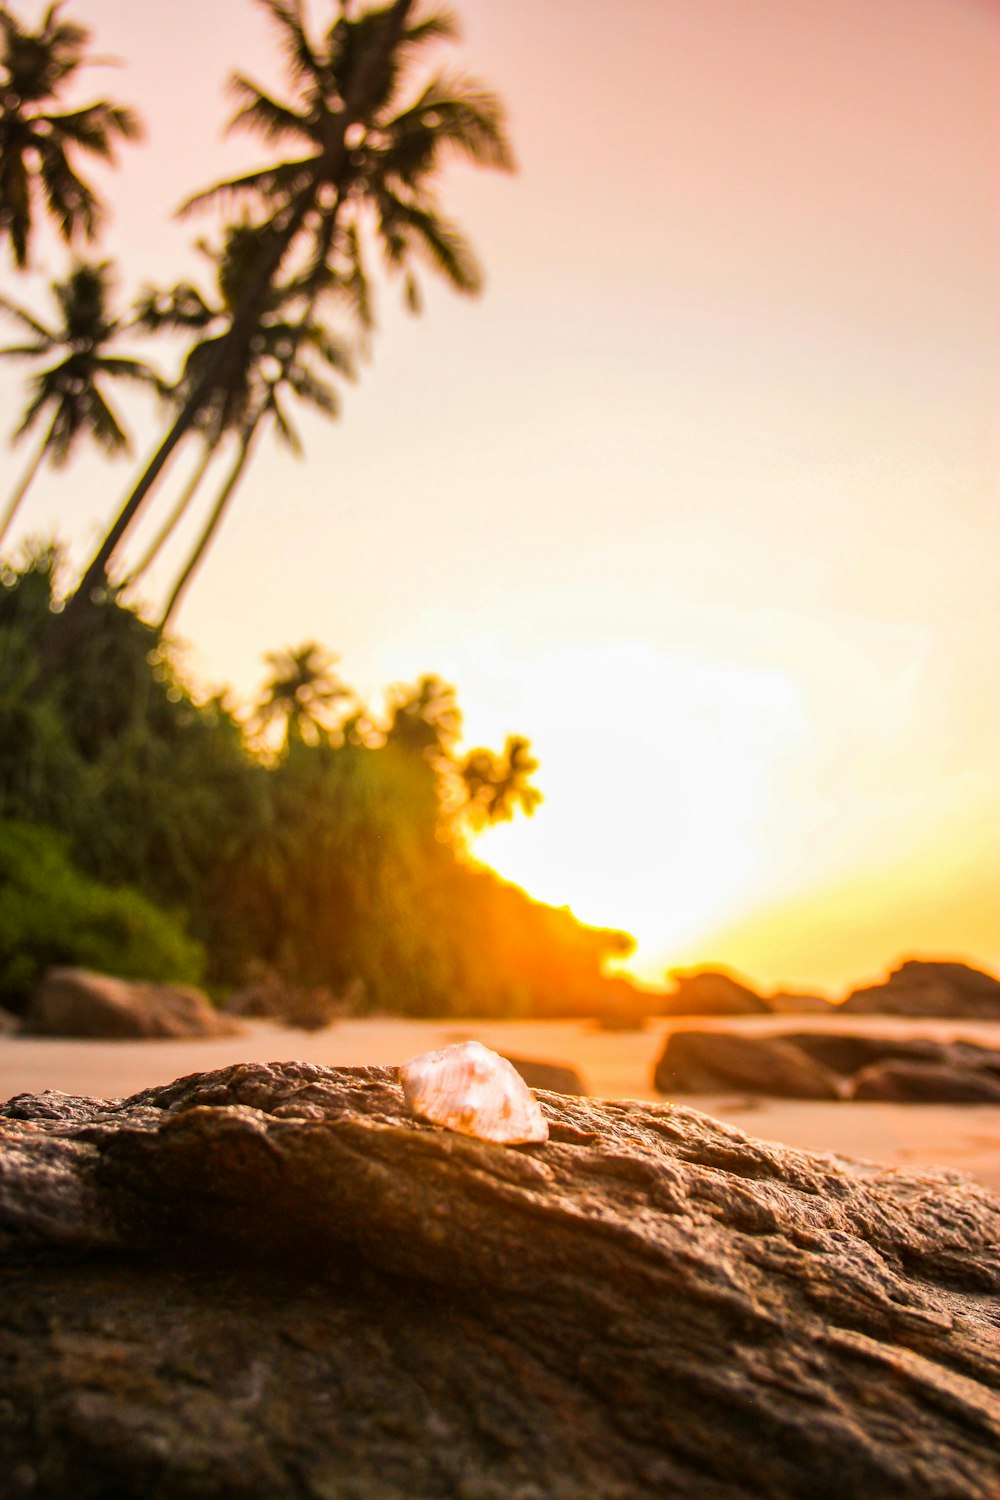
(80, 1003)
(919, 988)
(272, 1282)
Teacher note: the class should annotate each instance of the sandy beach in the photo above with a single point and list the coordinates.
(613, 1065)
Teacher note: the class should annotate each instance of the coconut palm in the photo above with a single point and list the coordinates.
(497, 785)
(365, 155)
(302, 689)
(240, 395)
(69, 389)
(39, 143)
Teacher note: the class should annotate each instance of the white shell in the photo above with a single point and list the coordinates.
(471, 1089)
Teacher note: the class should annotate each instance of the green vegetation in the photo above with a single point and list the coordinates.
(312, 837)
(52, 914)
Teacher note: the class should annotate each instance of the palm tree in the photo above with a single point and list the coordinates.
(239, 396)
(300, 692)
(70, 388)
(38, 142)
(362, 154)
(497, 785)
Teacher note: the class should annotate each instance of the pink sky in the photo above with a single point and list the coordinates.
(701, 494)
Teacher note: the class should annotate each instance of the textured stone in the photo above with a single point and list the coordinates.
(77, 1002)
(273, 1282)
(912, 1082)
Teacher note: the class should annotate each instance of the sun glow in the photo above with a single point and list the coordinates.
(679, 846)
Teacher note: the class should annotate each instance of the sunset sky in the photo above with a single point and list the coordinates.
(701, 494)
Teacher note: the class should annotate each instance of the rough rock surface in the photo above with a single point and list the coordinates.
(272, 1282)
(705, 1062)
(78, 1002)
(711, 994)
(919, 988)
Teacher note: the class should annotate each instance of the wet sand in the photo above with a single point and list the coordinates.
(613, 1065)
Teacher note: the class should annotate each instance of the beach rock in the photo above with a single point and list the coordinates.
(905, 1082)
(273, 1282)
(558, 1078)
(921, 988)
(783, 1003)
(709, 1062)
(79, 1003)
(707, 993)
(268, 996)
(847, 1053)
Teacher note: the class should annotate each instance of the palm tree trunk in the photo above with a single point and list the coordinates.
(165, 531)
(22, 488)
(335, 168)
(217, 512)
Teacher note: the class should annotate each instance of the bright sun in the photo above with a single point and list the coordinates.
(679, 845)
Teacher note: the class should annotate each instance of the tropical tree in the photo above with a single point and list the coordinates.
(288, 352)
(368, 149)
(39, 142)
(496, 786)
(301, 690)
(68, 391)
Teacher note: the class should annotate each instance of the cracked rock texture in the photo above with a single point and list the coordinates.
(273, 1282)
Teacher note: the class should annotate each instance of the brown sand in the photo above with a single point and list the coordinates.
(614, 1065)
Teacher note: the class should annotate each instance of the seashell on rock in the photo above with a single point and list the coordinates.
(473, 1090)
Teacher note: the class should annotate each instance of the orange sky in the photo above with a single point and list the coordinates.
(701, 495)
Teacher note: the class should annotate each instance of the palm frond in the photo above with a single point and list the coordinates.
(293, 37)
(24, 317)
(284, 178)
(408, 226)
(103, 424)
(71, 202)
(259, 112)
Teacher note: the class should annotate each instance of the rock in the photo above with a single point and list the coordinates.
(267, 996)
(558, 1078)
(920, 988)
(846, 1053)
(9, 1024)
(273, 1282)
(707, 993)
(786, 1004)
(77, 1002)
(906, 1082)
(707, 1062)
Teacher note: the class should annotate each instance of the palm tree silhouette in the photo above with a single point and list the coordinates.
(70, 388)
(497, 785)
(240, 396)
(302, 688)
(362, 153)
(38, 143)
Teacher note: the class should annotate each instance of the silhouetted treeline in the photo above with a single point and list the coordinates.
(313, 837)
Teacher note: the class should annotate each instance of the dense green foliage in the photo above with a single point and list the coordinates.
(52, 914)
(331, 848)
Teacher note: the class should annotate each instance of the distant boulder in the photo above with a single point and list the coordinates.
(919, 988)
(710, 1062)
(558, 1078)
(706, 992)
(267, 996)
(80, 1003)
(845, 1053)
(783, 1003)
(902, 1082)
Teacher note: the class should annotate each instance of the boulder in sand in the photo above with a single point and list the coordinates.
(274, 1282)
(80, 1003)
(910, 1082)
(923, 988)
(706, 992)
(710, 1062)
(558, 1078)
